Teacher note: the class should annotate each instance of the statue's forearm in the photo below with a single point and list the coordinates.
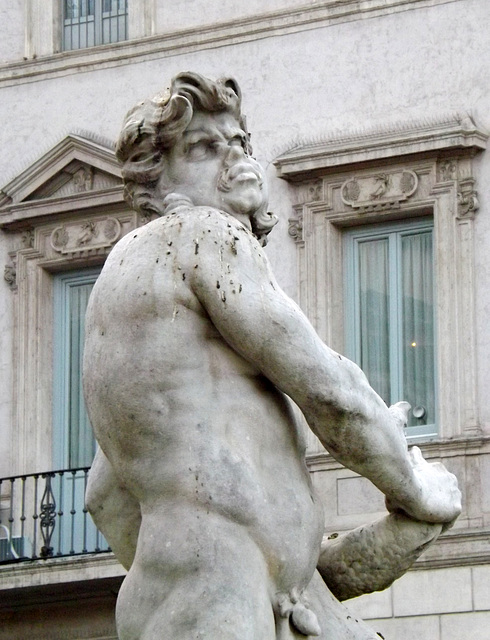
(362, 433)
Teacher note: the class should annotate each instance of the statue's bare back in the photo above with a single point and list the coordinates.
(195, 429)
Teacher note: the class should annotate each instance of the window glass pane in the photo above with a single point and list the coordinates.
(88, 23)
(418, 326)
(81, 441)
(374, 314)
(70, 9)
(390, 315)
(75, 9)
(73, 444)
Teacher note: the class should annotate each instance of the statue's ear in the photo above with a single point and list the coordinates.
(232, 84)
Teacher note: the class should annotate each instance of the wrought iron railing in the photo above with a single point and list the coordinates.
(43, 515)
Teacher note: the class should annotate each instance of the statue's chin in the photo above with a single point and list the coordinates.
(245, 201)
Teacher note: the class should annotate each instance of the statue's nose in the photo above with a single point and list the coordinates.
(235, 152)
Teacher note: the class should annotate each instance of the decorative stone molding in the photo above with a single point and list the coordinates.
(295, 229)
(10, 272)
(448, 169)
(83, 179)
(467, 199)
(62, 571)
(43, 41)
(28, 238)
(415, 169)
(80, 172)
(454, 133)
(379, 191)
(86, 238)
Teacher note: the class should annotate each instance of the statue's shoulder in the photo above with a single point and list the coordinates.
(199, 216)
(190, 219)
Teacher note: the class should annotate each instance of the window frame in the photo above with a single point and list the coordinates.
(62, 360)
(45, 25)
(393, 231)
(333, 184)
(97, 19)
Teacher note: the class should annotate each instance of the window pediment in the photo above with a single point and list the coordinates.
(77, 173)
(451, 135)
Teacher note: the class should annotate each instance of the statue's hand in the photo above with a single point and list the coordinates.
(438, 499)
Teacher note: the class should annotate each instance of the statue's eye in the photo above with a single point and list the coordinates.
(202, 149)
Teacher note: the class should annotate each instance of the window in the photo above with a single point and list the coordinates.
(389, 304)
(87, 23)
(80, 214)
(74, 443)
(395, 176)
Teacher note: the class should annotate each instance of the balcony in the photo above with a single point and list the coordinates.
(43, 516)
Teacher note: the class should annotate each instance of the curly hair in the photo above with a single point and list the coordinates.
(154, 125)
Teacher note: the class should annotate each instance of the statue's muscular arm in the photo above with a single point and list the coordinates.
(232, 278)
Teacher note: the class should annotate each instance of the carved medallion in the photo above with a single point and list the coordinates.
(379, 191)
(87, 237)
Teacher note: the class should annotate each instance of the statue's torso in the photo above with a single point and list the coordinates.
(192, 428)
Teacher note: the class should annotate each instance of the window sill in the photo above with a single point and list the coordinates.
(440, 449)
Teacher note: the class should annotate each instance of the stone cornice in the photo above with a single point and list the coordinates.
(19, 216)
(82, 145)
(36, 193)
(37, 573)
(457, 548)
(270, 24)
(448, 134)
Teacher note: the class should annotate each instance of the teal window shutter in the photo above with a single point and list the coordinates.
(389, 309)
(74, 444)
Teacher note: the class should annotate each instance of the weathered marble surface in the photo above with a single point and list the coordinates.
(192, 354)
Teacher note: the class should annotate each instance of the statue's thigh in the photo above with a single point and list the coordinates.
(336, 621)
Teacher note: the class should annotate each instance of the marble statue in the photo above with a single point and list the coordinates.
(193, 357)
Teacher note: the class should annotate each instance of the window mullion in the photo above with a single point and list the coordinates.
(356, 290)
(98, 32)
(396, 350)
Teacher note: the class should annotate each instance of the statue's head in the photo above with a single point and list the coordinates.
(190, 144)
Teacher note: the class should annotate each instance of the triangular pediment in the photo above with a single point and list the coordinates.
(74, 166)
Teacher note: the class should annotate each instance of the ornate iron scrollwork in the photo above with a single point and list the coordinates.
(47, 517)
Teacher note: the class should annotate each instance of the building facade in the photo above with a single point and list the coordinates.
(372, 119)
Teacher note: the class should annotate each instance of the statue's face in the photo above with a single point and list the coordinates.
(208, 164)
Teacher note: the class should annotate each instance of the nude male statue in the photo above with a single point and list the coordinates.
(193, 354)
